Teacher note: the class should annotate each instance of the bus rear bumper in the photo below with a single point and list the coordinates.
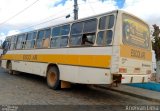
(135, 78)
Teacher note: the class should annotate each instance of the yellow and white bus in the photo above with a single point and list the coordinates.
(102, 49)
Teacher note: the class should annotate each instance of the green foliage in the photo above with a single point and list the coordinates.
(156, 43)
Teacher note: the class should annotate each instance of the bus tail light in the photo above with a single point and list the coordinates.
(122, 70)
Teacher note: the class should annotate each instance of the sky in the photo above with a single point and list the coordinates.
(18, 16)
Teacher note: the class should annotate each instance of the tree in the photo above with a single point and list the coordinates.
(156, 48)
(156, 42)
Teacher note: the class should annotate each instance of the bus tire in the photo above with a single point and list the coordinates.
(10, 71)
(53, 78)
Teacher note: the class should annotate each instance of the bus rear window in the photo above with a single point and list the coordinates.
(135, 32)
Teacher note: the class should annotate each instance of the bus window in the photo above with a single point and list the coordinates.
(23, 41)
(46, 39)
(76, 34)
(13, 42)
(89, 32)
(30, 42)
(20, 41)
(90, 26)
(83, 33)
(55, 42)
(60, 36)
(47, 33)
(34, 35)
(56, 31)
(111, 21)
(104, 37)
(59, 41)
(65, 29)
(88, 39)
(64, 35)
(100, 38)
(64, 41)
(105, 34)
(33, 40)
(106, 22)
(76, 40)
(40, 37)
(108, 37)
(77, 28)
(7, 44)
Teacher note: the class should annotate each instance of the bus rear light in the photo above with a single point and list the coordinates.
(122, 70)
(148, 71)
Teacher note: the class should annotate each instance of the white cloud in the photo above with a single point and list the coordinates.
(2, 36)
(12, 32)
(35, 14)
(95, 7)
(148, 10)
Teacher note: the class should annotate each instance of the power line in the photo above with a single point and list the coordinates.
(19, 12)
(42, 23)
(47, 18)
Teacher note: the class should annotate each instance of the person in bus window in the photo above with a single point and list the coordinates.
(85, 40)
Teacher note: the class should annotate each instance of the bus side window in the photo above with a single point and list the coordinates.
(104, 37)
(7, 43)
(46, 39)
(55, 40)
(89, 32)
(29, 40)
(64, 35)
(47, 33)
(23, 41)
(13, 42)
(20, 41)
(60, 36)
(105, 34)
(76, 34)
(33, 41)
(40, 38)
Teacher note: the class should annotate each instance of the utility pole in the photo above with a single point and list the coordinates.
(75, 10)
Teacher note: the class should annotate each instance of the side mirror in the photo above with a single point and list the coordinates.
(4, 46)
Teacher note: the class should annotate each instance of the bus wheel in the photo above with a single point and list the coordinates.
(10, 71)
(53, 78)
